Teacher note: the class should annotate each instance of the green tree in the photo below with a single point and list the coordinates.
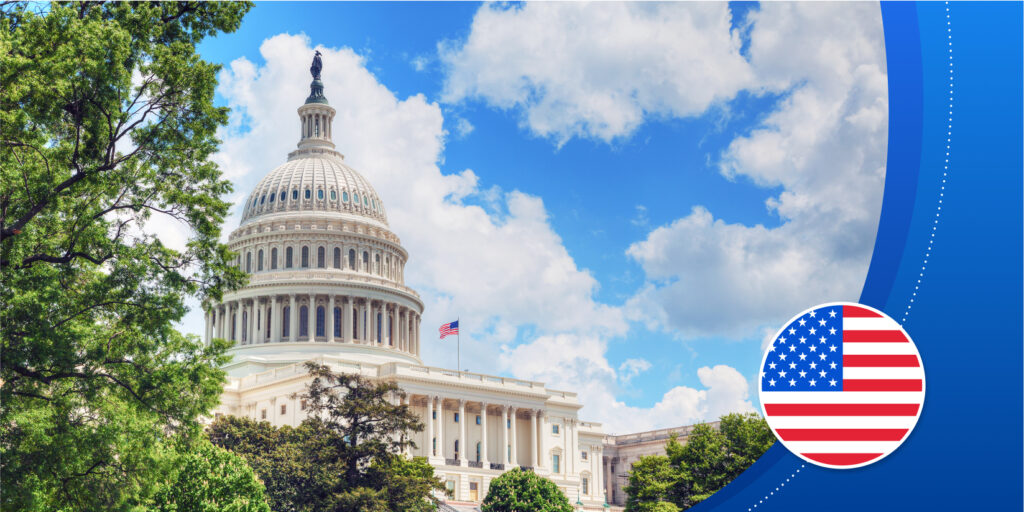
(106, 120)
(520, 491)
(210, 479)
(689, 473)
(652, 481)
(344, 457)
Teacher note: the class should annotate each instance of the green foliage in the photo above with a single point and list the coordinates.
(106, 122)
(519, 491)
(689, 473)
(344, 457)
(210, 479)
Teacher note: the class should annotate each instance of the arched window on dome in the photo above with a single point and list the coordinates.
(337, 257)
(337, 322)
(272, 195)
(286, 320)
(344, 196)
(376, 264)
(316, 130)
(263, 199)
(248, 262)
(288, 258)
(351, 259)
(273, 259)
(320, 257)
(305, 257)
(320, 195)
(387, 267)
(283, 195)
(304, 321)
(334, 195)
(320, 322)
(295, 195)
(259, 261)
(308, 194)
(355, 198)
(366, 261)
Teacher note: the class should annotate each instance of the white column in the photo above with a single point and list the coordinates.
(504, 437)
(600, 473)
(440, 427)
(275, 320)
(463, 449)
(532, 439)
(311, 318)
(329, 319)
(515, 437)
(483, 435)
(573, 451)
(430, 426)
(237, 338)
(206, 333)
(541, 434)
(293, 320)
(251, 335)
(346, 321)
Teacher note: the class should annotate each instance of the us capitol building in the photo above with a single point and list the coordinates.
(327, 283)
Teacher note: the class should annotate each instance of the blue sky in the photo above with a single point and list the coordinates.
(619, 199)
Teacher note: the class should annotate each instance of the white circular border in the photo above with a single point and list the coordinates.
(924, 382)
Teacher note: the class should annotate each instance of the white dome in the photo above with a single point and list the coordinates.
(315, 180)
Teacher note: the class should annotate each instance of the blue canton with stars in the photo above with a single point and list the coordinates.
(808, 354)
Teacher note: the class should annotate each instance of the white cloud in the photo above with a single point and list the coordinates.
(631, 368)
(577, 363)
(596, 70)
(824, 146)
(419, 62)
(463, 127)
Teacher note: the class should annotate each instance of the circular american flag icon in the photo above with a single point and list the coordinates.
(842, 385)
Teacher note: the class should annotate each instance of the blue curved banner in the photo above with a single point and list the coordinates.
(947, 264)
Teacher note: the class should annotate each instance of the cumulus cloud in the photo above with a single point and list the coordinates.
(825, 147)
(596, 70)
(631, 368)
(577, 363)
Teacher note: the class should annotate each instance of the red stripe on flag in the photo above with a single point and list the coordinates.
(841, 434)
(881, 384)
(841, 409)
(854, 311)
(874, 337)
(880, 361)
(842, 459)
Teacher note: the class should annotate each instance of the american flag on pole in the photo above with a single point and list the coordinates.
(842, 385)
(449, 328)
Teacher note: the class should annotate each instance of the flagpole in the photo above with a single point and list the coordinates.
(458, 349)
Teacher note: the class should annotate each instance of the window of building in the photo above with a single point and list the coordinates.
(304, 321)
(554, 429)
(245, 324)
(376, 264)
(450, 486)
(320, 257)
(286, 320)
(295, 195)
(433, 446)
(282, 195)
(266, 328)
(248, 262)
(344, 196)
(272, 196)
(478, 451)
(334, 195)
(554, 463)
(586, 485)
(302, 405)
(273, 259)
(320, 195)
(263, 414)
(456, 417)
(433, 416)
(308, 194)
(263, 199)
(355, 198)
(337, 322)
(337, 257)
(284, 410)
(477, 419)
(366, 261)
(305, 257)
(288, 258)
(351, 259)
(508, 423)
(583, 455)
(456, 448)
(320, 322)
(259, 261)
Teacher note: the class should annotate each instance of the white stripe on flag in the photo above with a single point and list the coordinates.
(841, 446)
(883, 373)
(852, 349)
(843, 422)
(869, 324)
(845, 397)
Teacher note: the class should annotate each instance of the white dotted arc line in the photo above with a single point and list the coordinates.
(772, 493)
(945, 171)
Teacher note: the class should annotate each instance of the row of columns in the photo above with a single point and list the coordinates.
(509, 438)
(359, 321)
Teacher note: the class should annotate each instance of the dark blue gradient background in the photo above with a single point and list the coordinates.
(966, 451)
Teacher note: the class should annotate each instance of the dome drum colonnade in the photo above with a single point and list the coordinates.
(323, 263)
